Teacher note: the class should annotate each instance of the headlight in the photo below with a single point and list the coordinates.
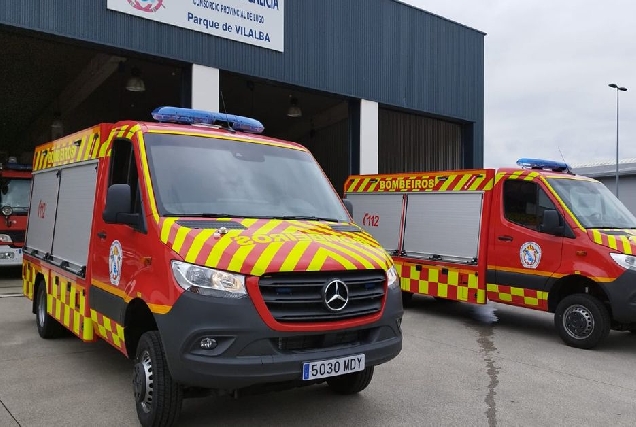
(207, 281)
(392, 277)
(625, 261)
(5, 238)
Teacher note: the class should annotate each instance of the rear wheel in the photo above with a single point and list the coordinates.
(582, 321)
(158, 397)
(48, 327)
(351, 383)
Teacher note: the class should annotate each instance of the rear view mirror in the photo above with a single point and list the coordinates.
(551, 222)
(118, 206)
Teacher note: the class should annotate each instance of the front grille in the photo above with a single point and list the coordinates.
(322, 341)
(298, 297)
(17, 236)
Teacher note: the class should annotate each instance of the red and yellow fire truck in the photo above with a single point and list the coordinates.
(15, 186)
(214, 257)
(537, 236)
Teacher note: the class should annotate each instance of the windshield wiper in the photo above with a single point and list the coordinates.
(204, 215)
(308, 218)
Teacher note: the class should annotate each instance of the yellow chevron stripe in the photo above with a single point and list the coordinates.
(612, 241)
(180, 238)
(319, 260)
(165, 230)
(295, 256)
(462, 182)
(477, 182)
(447, 183)
(596, 236)
(217, 250)
(238, 259)
(627, 247)
(260, 266)
(197, 245)
(361, 259)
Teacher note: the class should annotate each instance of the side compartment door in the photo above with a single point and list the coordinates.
(380, 214)
(117, 248)
(522, 258)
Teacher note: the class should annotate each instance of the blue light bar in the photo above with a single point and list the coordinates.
(12, 164)
(190, 116)
(544, 164)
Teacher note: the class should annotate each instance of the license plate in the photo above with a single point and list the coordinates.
(333, 367)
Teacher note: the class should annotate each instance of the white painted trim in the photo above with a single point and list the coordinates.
(205, 88)
(368, 136)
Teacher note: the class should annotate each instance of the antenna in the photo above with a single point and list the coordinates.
(568, 170)
(225, 112)
(559, 148)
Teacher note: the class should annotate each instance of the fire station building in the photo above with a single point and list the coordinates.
(368, 86)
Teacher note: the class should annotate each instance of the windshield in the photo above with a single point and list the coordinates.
(194, 175)
(15, 193)
(593, 204)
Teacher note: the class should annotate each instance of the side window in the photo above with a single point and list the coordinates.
(123, 170)
(525, 202)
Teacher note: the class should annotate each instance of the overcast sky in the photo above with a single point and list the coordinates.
(547, 69)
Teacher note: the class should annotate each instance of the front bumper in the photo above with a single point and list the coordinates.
(622, 296)
(10, 257)
(249, 353)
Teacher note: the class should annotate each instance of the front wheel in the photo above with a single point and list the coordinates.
(158, 397)
(582, 321)
(351, 383)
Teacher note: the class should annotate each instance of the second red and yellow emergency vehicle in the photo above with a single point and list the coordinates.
(214, 257)
(15, 184)
(537, 236)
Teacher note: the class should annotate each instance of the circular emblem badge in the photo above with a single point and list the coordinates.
(336, 295)
(146, 5)
(114, 262)
(530, 254)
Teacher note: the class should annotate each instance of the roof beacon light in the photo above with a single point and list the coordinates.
(550, 165)
(192, 117)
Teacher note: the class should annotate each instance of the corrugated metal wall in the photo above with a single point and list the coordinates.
(626, 189)
(330, 147)
(412, 143)
(379, 50)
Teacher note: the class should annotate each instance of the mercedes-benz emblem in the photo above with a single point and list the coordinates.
(336, 295)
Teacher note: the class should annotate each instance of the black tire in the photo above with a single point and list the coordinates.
(582, 321)
(158, 397)
(407, 298)
(351, 383)
(48, 326)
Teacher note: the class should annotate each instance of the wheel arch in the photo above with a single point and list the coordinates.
(574, 284)
(39, 281)
(138, 319)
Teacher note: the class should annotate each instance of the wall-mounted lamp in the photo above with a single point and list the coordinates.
(135, 83)
(294, 110)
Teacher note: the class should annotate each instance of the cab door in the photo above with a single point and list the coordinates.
(521, 255)
(118, 249)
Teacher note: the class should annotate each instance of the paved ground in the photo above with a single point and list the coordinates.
(461, 365)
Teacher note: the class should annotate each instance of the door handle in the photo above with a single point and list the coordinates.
(505, 238)
(101, 235)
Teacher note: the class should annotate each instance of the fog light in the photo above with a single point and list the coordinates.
(399, 323)
(208, 343)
